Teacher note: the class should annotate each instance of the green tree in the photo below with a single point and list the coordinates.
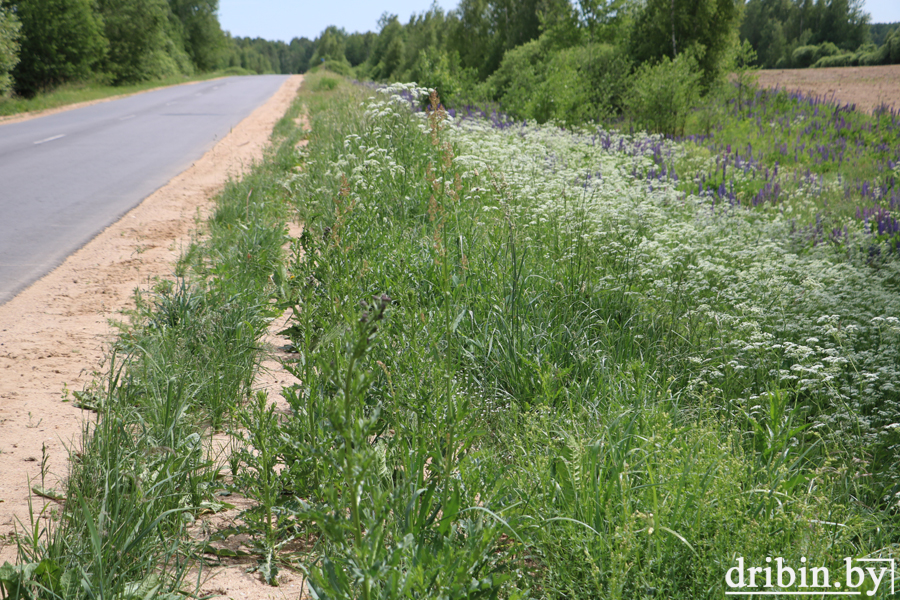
(473, 37)
(9, 47)
(330, 45)
(841, 22)
(358, 47)
(388, 50)
(602, 19)
(330, 50)
(140, 44)
(202, 34)
(777, 28)
(707, 28)
(301, 51)
(62, 40)
(486, 29)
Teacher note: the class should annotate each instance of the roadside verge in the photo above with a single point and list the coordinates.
(53, 334)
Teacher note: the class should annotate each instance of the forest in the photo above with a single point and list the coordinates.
(515, 53)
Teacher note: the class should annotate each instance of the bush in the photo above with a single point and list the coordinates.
(607, 72)
(839, 60)
(893, 44)
(879, 57)
(440, 70)
(662, 95)
(804, 56)
(341, 67)
(826, 49)
(515, 82)
(573, 85)
(237, 71)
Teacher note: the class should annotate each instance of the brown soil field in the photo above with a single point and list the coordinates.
(866, 87)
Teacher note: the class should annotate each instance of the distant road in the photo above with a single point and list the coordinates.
(67, 176)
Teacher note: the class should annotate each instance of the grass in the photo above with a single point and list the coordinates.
(73, 93)
(543, 372)
(533, 364)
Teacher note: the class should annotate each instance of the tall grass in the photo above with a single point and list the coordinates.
(531, 364)
(529, 369)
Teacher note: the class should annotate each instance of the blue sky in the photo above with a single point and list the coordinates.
(286, 19)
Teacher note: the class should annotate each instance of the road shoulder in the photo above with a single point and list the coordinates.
(53, 334)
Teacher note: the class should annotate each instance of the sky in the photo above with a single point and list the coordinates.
(287, 19)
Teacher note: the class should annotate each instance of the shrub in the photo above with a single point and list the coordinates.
(893, 44)
(662, 95)
(573, 85)
(804, 56)
(607, 72)
(879, 57)
(839, 60)
(440, 70)
(520, 74)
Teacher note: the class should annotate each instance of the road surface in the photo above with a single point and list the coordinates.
(65, 177)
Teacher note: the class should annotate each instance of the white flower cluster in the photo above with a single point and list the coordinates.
(808, 319)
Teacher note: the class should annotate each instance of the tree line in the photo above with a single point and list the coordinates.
(592, 59)
(539, 57)
(44, 43)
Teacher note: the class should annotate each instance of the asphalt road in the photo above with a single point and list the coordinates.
(66, 177)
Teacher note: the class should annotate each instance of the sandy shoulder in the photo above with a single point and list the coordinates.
(53, 334)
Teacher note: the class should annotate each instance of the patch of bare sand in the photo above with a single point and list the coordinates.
(53, 334)
(866, 87)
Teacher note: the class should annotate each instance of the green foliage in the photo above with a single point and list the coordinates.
(443, 72)
(120, 41)
(662, 95)
(139, 45)
(571, 85)
(486, 29)
(329, 46)
(387, 53)
(777, 29)
(706, 28)
(837, 60)
(199, 33)
(893, 44)
(358, 47)
(9, 47)
(61, 40)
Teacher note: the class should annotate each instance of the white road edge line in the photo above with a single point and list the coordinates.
(50, 139)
